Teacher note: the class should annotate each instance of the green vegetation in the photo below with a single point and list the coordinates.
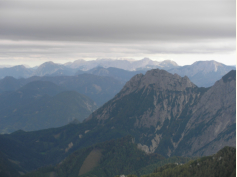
(107, 159)
(9, 167)
(113, 157)
(221, 164)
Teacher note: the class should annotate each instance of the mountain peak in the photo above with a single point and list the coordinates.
(158, 79)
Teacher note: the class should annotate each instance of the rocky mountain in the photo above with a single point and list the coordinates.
(203, 73)
(166, 113)
(40, 105)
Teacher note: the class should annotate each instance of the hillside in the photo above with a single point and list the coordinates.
(166, 114)
(120, 156)
(223, 163)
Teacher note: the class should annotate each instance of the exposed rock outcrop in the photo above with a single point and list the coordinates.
(170, 115)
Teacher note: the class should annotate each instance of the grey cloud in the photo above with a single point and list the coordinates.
(122, 49)
(117, 21)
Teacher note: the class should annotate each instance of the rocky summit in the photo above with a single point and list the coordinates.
(169, 115)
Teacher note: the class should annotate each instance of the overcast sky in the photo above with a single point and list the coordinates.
(35, 31)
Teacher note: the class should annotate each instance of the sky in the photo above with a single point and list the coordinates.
(35, 31)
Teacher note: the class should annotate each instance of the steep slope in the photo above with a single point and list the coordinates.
(160, 109)
(203, 73)
(36, 106)
(214, 117)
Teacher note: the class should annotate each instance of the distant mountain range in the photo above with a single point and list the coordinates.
(202, 73)
(16, 71)
(45, 102)
(144, 64)
(98, 88)
(120, 74)
(81, 66)
(163, 113)
(40, 105)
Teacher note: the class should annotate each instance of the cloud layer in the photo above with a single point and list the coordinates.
(114, 21)
(90, 27)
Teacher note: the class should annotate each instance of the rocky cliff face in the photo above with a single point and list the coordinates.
(216, 113)
(169, 115)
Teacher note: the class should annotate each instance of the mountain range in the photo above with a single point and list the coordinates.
(202, 73)
(81, 66)
(45, 102)
(40, 105)
(98, 88)
(164, 113)
(130, 65)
